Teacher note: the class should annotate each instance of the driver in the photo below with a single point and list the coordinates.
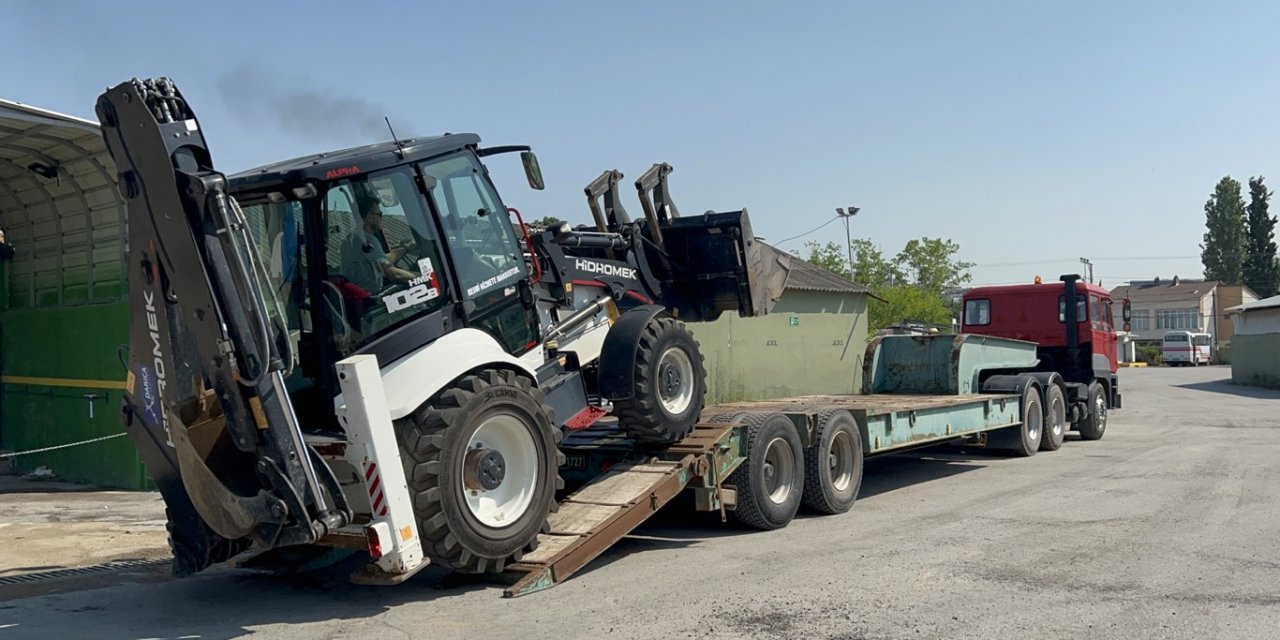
(364, 262)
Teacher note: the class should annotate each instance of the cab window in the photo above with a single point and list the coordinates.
(977, 312)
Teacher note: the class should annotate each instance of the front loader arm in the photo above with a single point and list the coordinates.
(205, 402)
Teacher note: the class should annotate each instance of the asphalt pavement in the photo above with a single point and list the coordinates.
(1169, 527)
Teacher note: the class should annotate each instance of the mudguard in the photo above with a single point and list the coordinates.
(618, 355)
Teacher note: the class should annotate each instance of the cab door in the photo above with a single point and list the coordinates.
(1102, 330)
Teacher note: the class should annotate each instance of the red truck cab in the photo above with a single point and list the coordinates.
(1039, 313)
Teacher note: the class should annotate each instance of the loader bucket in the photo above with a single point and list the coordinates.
(714, 263)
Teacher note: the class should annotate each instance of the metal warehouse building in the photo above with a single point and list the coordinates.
(63, 316)
(1255, 356)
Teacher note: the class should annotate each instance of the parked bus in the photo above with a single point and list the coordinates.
(1186, 348)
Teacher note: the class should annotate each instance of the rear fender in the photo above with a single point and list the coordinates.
(415, 378)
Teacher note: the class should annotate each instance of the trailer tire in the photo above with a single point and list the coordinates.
(670, 384)
(1094, 424)
(770, 481)
(460, 531)
(1055, 418)
(833, 464)
(1024, 439)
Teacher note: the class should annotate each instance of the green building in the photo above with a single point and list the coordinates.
(813, 342)
(63, 315)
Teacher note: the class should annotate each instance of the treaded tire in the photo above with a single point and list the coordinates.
(1094, 424)
(755, 508)
(820, 491)
(1055, 419)
(1020, 440)
(432, 442)
(644, 415)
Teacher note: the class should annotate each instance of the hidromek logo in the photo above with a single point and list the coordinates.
(605, 269)
(157, 360)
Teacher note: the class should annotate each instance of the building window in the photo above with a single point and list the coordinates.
(1168, 319)
(1141, 320)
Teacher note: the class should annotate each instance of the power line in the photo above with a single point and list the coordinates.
(781, 242)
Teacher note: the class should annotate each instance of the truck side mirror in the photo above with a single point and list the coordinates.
(1127, 313)
(531, 170)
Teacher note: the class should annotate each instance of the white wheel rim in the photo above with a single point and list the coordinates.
(779, 470)
(675, 380)
(841, 461)
(1058, 414)
(1035, 420)
(505, 504)
(1102, 411)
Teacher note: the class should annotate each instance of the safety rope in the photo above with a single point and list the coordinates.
(14, 454)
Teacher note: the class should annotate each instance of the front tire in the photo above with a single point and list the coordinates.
(481, 460)
(1094, 424)
(670, 385)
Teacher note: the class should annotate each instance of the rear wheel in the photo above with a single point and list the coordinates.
(1024, 439)
(1094, 424)
(833, 465)
(670, 384)
(481, 461)
(1055, 419)
(771, 480)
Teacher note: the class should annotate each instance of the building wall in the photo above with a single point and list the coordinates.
(1205, 308)
(812, 342)
(1230, 296)
(1255, 349)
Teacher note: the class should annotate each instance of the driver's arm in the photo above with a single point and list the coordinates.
(396, 273)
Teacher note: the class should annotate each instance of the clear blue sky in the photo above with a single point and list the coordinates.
(1028, 132)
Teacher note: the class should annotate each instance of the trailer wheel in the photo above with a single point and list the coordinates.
(833, 465)
(770, 481)
(1055, 419)
(1024, 439)
(481, 460)
(670, 384)
(1095, 422)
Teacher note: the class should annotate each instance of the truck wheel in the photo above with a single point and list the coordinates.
(1024, 439)
(1055, 419)
(1095, 422)
(771, 480)
(670, 385)
(833, 465)
(481, 460)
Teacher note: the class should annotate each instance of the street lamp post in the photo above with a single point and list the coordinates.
(848, 241)
(1088, 265)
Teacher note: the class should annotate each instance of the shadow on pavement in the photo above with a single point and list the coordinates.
(1230, 388)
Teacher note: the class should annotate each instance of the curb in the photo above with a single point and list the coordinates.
(1133, 364)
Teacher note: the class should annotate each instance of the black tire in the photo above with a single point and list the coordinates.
(1055, 419)
(833, 465)
(1094, 424)
(765, 500)
(1024, 439)
(433, 446)
(670, 385)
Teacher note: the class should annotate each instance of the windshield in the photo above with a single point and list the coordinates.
(382, 256)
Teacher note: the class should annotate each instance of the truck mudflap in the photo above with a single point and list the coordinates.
(205, 401)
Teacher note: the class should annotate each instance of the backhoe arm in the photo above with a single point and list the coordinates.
(205, 402)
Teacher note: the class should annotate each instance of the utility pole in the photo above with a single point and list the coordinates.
(848, 241)
(1088, 265)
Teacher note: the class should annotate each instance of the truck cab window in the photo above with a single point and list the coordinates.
(977, 312)
(1080, 309)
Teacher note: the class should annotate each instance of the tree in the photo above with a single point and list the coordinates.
(545, 221)
(1224, 250)
(871, 268)
(905, 302)
(829, 257)
(1261, 270)
(932, 265)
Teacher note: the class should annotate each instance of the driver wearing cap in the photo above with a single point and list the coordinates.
(364, 262)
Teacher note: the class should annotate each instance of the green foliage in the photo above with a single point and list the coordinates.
(1224, 248)
(545, 221)
(932, 265)
(902, 302)
(1261, 270)
(911, 284)
(1150, 354)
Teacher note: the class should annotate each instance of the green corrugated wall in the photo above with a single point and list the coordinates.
(811, 343)
(1256, 360)
(51, 358)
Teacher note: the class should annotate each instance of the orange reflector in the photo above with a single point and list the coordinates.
(406, 532)
(1038, 281)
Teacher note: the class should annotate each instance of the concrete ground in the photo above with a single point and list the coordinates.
(1169, 527)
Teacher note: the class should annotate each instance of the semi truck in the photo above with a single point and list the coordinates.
(366, 352)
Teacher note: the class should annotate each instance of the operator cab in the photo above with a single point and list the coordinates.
(384, 248)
